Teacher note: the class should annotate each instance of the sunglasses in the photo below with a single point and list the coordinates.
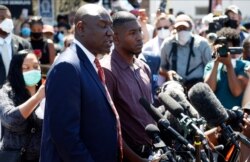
(162, 27)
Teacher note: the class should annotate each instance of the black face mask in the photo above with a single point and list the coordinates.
(231, 23)
(36, 35)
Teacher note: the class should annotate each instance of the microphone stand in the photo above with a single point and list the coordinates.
(190, 124)
(197, 145)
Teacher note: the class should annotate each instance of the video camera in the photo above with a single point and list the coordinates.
(224, 49)
(220, 22)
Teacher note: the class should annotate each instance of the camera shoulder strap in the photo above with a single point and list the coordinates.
(191, 53)
(173, 52)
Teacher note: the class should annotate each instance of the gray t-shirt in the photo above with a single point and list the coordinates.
(202, 55)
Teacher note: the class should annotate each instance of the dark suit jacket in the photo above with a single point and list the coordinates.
(17, 44)
(79, 125)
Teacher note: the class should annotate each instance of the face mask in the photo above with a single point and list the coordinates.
(25, 31)
(183, 37)
(231, 23)
(163, 33)
(60, 37)
(36, 35)
(32, 77)
(7, 25)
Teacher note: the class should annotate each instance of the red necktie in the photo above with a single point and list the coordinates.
(118, 124)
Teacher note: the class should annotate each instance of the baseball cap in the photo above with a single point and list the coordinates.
(235, 9)
(183, 20)
(48, 29)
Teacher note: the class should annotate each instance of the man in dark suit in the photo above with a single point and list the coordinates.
(79, 123)
(9, 41)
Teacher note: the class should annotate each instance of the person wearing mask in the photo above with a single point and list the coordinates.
(184, 53)
(10, 43)
(235, 17)
(38, 42)
(80, 122)
(151, 50)
(25, 30)
(128, 79)
(226, 73)
(48, 32)
(19, 99)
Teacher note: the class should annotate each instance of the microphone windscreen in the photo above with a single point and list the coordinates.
(180, 97)
(170, 104)
(156, 115)
(207, 104)
(171, 85)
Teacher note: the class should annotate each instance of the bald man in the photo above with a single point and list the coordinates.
(79, 123)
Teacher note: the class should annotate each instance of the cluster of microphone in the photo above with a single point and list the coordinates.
(197, 110)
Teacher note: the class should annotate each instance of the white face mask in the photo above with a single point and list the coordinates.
(183, 36)
(7, 25)
(163, 33)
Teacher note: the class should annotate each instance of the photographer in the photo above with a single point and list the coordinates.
(225, 74)
(235, 16)
(184, 54)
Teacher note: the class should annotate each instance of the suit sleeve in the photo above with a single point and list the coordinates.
(63, 106)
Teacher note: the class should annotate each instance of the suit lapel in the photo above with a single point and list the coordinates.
(82, 56)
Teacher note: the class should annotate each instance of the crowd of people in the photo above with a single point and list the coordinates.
(71, 92)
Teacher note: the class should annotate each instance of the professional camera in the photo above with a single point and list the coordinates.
(224, 49)
(220, 22)
(217, 23)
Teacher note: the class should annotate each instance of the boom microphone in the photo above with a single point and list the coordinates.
(207, 104)
(164, 125)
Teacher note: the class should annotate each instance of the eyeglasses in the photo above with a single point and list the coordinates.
(162, 27)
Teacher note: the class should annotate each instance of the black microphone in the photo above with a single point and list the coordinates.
(156, 115)
(175, 108)
(154, 133)
(164, 125)
(235, 118)
(176, 92)
(207, 104)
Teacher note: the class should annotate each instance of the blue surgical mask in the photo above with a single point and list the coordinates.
(25, 31)
(32, 77)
